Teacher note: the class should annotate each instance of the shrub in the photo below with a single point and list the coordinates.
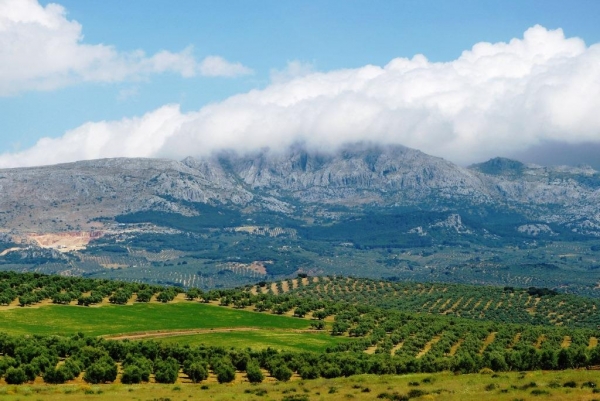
(308, 372)
(253, 373)
(416, 393)
(281, 373)
(132, 374)
(102, 371)
(166, 371)
(15, 375)
(196, 372)
(225, 372)
(295, 397)
(56, 376)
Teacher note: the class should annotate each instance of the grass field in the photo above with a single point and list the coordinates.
(183, 323)
(440, 386)
(57, 319)
(259, 339)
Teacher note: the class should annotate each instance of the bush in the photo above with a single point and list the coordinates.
(65, 372)
(143, 365)
(225, 372)
(15, 375)
(308, 372)
(254, 373)
(132, 374)
(281, 373)
(167, 371)
(416, 393)
(102, 371)
(196, 372)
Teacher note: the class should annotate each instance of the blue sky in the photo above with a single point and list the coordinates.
(262, 37)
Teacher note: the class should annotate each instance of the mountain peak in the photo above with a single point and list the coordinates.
(499, 166)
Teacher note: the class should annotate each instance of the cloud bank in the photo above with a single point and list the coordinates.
(495, 99)
(40, 49)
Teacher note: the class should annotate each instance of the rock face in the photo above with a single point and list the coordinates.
(77, 196)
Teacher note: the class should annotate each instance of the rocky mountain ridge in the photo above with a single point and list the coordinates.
(80, 196)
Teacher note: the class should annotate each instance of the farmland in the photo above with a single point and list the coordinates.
(89, 332)
(503, 304)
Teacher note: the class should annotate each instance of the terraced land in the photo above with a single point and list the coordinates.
(500, 304)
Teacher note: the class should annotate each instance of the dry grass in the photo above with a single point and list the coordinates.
(439, 386)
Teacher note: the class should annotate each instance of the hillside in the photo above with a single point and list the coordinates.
(66, 197)
(153, 335)
(232, 219)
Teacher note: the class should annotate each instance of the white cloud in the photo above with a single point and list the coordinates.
(494, 99)
(294, 69)
(215, 66)
(40, 49)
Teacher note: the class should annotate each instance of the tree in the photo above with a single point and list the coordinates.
(308, 372)
(166, 371)
(65, 372)
(254, 373)
(144, 295)
(196, 372)
(281, 372)
(192, 293)
(103, 371)
(318, 325)
(15, 375)
(132, 374)
(56, 376)
(225, 372)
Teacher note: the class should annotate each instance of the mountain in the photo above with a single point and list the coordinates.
(362, 209)
(70, 196)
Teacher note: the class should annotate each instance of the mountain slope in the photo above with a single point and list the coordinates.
(70, 196)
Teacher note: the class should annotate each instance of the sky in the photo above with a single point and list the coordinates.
(462, 80)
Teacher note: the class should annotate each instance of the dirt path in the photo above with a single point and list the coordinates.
(515, 340)
(428, 346)
(396, 347)
(191, 332)
(490, 339)
(371, 350)
(174, 333)
(540, 340)
(456, 346)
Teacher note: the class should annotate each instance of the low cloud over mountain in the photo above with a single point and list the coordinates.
(495, 99)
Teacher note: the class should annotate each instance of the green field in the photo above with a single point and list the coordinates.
(110, 319)
(260, 339)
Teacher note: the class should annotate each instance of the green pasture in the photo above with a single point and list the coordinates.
(260, 339)
(109, 319)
